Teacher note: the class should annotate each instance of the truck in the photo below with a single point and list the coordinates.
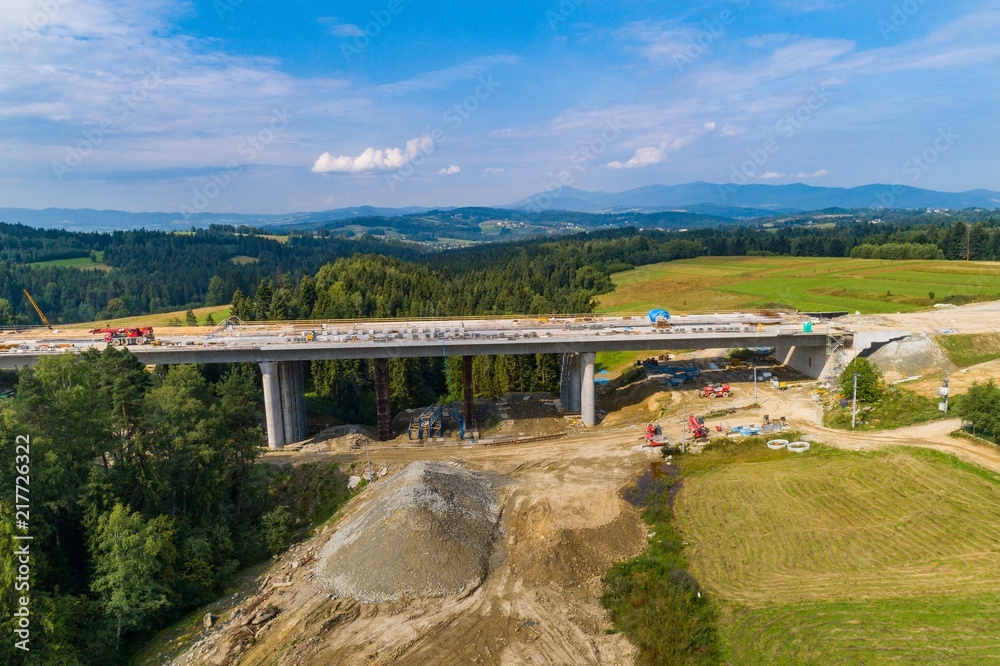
(716, 391)
(126, 336)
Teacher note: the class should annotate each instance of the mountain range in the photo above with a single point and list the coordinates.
(729, 201)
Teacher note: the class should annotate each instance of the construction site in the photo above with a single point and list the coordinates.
(485, 536)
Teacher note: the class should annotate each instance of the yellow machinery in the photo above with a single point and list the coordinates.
(41, 315)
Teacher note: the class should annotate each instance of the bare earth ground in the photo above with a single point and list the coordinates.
(564, 524)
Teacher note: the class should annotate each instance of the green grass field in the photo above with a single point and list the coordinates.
(966, 350)
(818, 284)
(83, 263)
(844, 557)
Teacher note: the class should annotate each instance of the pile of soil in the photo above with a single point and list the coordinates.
(911, 356)
(428, 531)
(340, 437)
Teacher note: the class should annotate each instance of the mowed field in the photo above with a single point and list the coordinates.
(848, 557)
(719, 284)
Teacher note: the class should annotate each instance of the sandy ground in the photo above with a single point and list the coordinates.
(973, 318)
(564, 524)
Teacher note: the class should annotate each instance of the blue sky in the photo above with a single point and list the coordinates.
(266, 106)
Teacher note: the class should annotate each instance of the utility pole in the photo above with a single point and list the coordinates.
(854, 407)
(683, 427)
(943, 391)
(755, 385)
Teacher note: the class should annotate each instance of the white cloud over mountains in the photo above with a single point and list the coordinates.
(373, 159)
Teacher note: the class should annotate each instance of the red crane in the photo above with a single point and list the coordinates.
(126, 336)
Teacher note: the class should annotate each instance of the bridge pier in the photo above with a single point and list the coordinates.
(810, 361)
(587, 403)
(284, 402)
(570, 383)
(467, 396)
(272, 405)
(382, 402)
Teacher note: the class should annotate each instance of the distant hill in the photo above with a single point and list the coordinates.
(87, 219)
(708, 202)
(750, 200)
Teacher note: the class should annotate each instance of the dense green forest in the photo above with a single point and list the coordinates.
(146, 272)
(145, 499)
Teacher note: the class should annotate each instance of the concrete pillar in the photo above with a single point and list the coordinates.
(467, 396)
(272, 405)
(286, 384)
(575, 383)
(292, 389)
(587, 405)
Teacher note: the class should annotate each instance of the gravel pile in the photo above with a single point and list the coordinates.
(428, 531)
(914, 355)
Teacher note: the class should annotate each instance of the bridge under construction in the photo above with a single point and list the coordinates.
(281, 349)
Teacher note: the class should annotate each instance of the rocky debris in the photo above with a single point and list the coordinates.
(353, 481)
(209, 620)
(911, 356)
(427, 531)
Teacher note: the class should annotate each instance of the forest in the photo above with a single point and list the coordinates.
(144, 499)
(137, 272)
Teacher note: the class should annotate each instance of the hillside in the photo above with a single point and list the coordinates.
(809, 284)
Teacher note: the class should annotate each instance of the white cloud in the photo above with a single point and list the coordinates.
(774, 175)
(444, 78)
(643, 157)
(346, 30)
(372, 159)
(491, 171)
(452, 170)
(709, 127)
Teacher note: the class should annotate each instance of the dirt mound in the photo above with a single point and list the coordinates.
(914, 355)
(429, 531)
(340, 437)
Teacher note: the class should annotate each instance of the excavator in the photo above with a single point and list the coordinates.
(41, 315)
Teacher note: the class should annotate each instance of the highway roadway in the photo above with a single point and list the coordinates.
(452, 337)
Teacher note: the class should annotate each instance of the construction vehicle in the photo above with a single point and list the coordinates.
(716, 391)
(696, 427)
(41, 315)
(126, 336)
(654, 436)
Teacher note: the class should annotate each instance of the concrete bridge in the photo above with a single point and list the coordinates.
(281, 350)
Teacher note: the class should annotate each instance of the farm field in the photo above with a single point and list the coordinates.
(848, 557)
(808, 283)
(218, 312)
(83, 263)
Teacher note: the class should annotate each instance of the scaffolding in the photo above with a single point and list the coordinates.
(428, 423)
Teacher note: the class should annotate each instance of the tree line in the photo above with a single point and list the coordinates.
(145, 499)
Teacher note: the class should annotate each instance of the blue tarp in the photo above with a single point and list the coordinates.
(658, 313)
